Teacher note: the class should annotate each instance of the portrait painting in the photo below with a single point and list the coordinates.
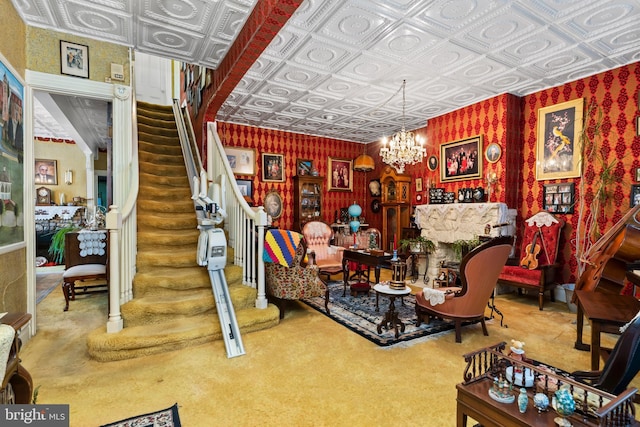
(46, 172)
(461, 159)
(74, 59)
(340, 174)
(273, 204)
(273, 167)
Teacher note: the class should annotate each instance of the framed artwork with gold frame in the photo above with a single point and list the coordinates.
(340, 174)
(461, 159)
(558, 148)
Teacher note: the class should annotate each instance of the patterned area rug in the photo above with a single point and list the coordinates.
(359, 314)
(164, 418)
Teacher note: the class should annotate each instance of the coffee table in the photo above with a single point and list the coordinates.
(362, 257)
(391, 317)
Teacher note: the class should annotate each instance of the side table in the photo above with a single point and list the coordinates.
(390, 319)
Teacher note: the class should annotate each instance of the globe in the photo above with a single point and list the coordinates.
(355, 210)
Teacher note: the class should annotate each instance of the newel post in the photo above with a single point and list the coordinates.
(114, 225)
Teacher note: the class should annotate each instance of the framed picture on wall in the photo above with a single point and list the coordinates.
(558, 150)
(304, 167)
(46, 172)
(74, 59)
(246, 187)
(273, 167)
(340, 174)
(432, 163)
(493, 152)
(461, 159)
(273, 204)
(241, 160)
(418, 184)
(559, 198)
(635, 195)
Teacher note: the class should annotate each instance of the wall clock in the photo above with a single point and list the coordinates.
(43, 196)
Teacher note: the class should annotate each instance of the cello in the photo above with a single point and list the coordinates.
(606, 261)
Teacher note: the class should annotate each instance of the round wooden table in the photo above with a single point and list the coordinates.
(390, 319)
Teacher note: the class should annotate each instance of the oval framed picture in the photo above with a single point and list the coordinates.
(273, 204)
(493, 152)
(432, 163)
(375, 206)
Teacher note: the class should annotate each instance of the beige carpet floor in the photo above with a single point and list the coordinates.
(307, 371)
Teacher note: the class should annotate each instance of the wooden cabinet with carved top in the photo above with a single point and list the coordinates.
(307, 200)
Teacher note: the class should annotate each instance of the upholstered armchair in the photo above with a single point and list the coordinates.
(546, 230)
(290, 277)
(479, 270)
(328, 258)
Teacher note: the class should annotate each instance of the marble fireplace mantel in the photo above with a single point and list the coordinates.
(447, 223)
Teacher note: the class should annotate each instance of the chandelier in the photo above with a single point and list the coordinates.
(403, 148)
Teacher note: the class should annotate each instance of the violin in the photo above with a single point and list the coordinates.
(530, 260)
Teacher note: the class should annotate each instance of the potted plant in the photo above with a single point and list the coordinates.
(418, 244)
(462, 247)
(56, 247)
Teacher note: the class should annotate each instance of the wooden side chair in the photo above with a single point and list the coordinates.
(86, 268)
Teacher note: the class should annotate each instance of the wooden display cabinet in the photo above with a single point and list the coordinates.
(307, 200)
(396, 205)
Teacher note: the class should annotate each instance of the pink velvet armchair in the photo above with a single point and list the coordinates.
(328, 258)
(479, 272)
(295, 282)
(542, 278)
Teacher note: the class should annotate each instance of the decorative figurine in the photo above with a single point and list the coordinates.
(523, 400)
(541, 402)
(501, 390)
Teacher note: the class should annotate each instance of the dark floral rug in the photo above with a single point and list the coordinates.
(359, 314)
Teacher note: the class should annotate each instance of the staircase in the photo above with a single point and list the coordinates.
(173, 305)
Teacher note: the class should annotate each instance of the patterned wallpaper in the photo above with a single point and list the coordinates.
(296, 146)
(12, 35)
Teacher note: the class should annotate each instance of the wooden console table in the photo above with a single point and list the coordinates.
(16, 376)
(606, 313)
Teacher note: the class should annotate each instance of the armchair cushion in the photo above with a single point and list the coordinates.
(280, 246)
(521, 275)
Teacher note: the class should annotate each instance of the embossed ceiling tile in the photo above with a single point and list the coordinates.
(277, 92)
(554, 9)
(400, 7)
(590, 70)
(37, 12)
(620, 41)
(312, 12)
(263, 68)
(510, 81)
(502, 26)
(625, 58)
(316, 101)
(171, 41)
(284, 43)
(100, 22)
(340, 88)
(299, 77)
(294, 110)
(453, 16)
(229, 20)
(269, 105)
(447, 54)
(357, 24)
(404, 42)
(602, 19)
(214, 51)
(564, 62)
(246, 86)
(476, 71)
(194, 15)
(319, 53)
(537, 44)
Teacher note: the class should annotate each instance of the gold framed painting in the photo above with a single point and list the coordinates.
(558, 148)
(460, 160)
(340, 174)
(241, 160)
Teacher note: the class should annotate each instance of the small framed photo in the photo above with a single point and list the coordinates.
(637, 175)
(241, 160)
(273, 167)
(432, 163)
(638, 124)
(246, 187)
(493, 153)
(635, 195)
(559, 198)
(74, 59)
(340, 174)
(418, 184)
(46, 172)
(304, 167)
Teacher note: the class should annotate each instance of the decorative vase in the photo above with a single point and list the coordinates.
(564, 406)
(523, 400)
(541, 402)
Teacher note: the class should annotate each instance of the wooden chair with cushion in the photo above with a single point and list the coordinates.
(328, 258)
(479, 272)
(86, 270)
(546, 230)
(290, 278)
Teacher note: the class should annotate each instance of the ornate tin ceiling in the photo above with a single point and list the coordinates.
(335, 68)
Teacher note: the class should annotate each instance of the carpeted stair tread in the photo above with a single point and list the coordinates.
(159, 308)
(176, 257)
(148, 191)
(155, 169)
(161, 158)
(174, 181)
(165, 281)
(166, 221)
(168, 238)
(168, 336)
(149, 146)
(184, 205)
(161, 128)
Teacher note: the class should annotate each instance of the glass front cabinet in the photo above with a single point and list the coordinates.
(307, 200)
(396, 205)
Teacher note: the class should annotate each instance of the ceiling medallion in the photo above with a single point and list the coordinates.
(404, 148)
